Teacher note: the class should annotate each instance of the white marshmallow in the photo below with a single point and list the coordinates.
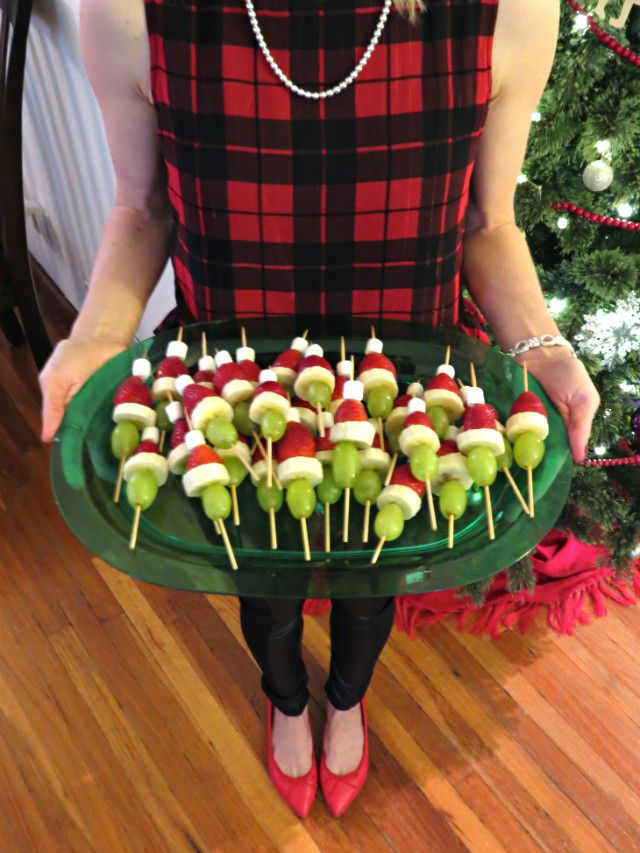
(449, 369)
(416, 389)
(472, 396)
(293, 415)
(222, 357)
(151, 433)
(313, 349)
(417, 404)
(174, 411)
(353, 390)
(373, 345)
(343, 368)
(194, 438)
(182, 382)
(207, 362)
(141, 367)
(178, 349)
(245, 354)
(267, 376)
(299, 344)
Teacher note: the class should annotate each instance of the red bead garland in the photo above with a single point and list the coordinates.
(606, 39)
(612, 221)
(609, 463)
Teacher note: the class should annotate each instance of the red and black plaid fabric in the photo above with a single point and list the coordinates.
(352, 204)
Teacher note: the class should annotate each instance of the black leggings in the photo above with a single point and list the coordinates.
(272, 628)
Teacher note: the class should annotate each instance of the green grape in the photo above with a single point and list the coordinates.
(241, 420)
(367, 487)
(124, 439)
(235, 468)
(506, 459)
(380, 402)
(439, 419)
(389, 522)
(319, 392)
(528, 450)
(329, 492)
(269, 498)
(216, 502)
(453, 499)
(273, 424)
(346, 464)
(424, 463)
(162, 421)
(482, 465)
(301, 499)
(142, 488)
(221, 433)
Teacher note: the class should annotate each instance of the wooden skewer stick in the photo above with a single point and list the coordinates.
(489, 508)
(304, 334)
(203, 340)
(530, 490)
(216, 526)
(451, 522)
(320, 420)
(432, 509)
(239, 455)
(243, 336)
(305, 538)
(118, 488)
(373, 331)
(447, 355)
(269, 462)
(234, 504)
(376, 553)
(525, 377)
(394, 460)
(227, 545)
(381, 433)
(272, 529)
(163, 436)
(345, 516)
(134, 528)
(460, 383)
(472, 369)
(180, 333)
(343, 352)
(327, 527)
(365, 528)
(516, 490)
(353, 367)
(255, 444)
(258, 443)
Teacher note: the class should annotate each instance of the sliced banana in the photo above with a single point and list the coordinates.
(416, 434)
(527, 422)
(142, 416)
(308, 418)
(470, 438)
(238, 449)
(162, 387)
(196, 480)
(448, 400)
(286, 376)
(375, 458)
(153, 462)
(396, 419)
(209, 408)
(261, 468)
(378, 377)
(313, 374)
(265, 401)
(404, 496)
(361, 433)
(300, 468)
(452, 467)
(324, 457)
(236, 390)
(178, 458)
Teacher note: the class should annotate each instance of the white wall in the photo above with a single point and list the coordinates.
(68, 177)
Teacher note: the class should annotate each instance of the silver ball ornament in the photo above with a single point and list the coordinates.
(597, 176)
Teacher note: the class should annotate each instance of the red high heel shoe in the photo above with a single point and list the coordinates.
(298, 792)
(340, 790)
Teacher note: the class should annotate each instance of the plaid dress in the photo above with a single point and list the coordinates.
(352, 204)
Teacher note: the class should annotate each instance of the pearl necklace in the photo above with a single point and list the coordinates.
(327, 92)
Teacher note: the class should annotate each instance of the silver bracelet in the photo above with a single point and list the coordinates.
(547, 340)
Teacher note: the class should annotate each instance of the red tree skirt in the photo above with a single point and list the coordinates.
(574, 580)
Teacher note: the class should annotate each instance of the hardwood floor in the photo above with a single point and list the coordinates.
(131, 717)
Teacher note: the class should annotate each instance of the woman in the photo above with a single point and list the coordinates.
(271, 201)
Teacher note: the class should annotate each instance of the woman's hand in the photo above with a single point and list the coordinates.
(566, 381)
(70, 365)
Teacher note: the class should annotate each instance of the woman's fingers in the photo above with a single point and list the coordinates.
(581, 414)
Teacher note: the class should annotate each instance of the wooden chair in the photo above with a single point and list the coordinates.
(17, 289)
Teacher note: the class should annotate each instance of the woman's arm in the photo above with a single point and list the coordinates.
(496, 261)
(134, 245)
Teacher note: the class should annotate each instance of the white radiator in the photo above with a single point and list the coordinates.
(68, 177)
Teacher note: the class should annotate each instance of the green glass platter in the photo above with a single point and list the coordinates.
(177, 545)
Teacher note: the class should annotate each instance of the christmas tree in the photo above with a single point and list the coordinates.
(578, 202)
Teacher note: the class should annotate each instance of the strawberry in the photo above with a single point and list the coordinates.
(226, 373)
(258, 455)
(338, 388)
(290, 359)
(193, 394)
(376, 442)
(204, 376)
(274, 387)
(202, 455)
(314, 361)
(442, 382)
(147, 446)
(133, 390)
(402, 476)
(324, 443)
(447, 447)
(418, 418)
(402, 401)
(350, 410)
(250, 369)
(377, 361)
(171, 366)
(296, 441)
(180, 429)
(299, 403)
(528, 402)
(480, 416)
